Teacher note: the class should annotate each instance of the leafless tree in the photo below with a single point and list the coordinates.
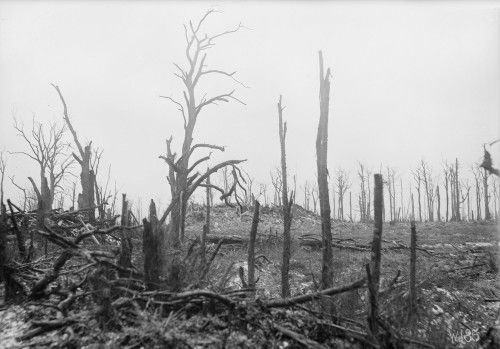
(446, 172)
(485, 176)
(322, 168)
(466, 187)
(87, 176)
(183, 178)
(307, 195)
(457, 191)
(417, 176)
(364, 202)
(428, 180)
(287, 207)
(3, 166)
(277, 182)
(51, 152)
(476, 171)
(263, 192)
(496, 195)
(315, 197)
(342, 181)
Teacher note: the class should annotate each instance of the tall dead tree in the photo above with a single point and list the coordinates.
(287, 208)
(446, 171)
(50, 151)
(417, 176)
(363, 174)
(378, 203)
(87, 176)
(438, 197)
(426, 172)
(182, 173)
(342, 179)
(457, 193)
(476, 171)
(485, 175)
(321, 159)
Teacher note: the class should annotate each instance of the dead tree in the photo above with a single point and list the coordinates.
(342, 179)
(484, 175)
(495, 195)
(476, 171)
(315, 198)
(321, 159)
(438, 197)
(151, 250)
(277, 183)
(417, 176)
(362, 174)
(251, 247)
(182, 173)
(446, 171)
(374, 269)
(287, 208)
(3, 166)
(307, 195)
(413, 263)
(457, 193)
(49, 150)
(426, 172)
(392, 195)
(466, 186)
(87, 176)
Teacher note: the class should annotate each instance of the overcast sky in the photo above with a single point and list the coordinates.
(409, 81)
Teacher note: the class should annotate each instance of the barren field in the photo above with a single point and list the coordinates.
(458, 291)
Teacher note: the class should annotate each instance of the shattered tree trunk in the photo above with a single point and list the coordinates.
(87, 177)
(321, 158)
(125, 257)
(151, 250)
(287, 209)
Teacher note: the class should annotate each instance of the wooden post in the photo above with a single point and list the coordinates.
(413, 262)
(251, 246)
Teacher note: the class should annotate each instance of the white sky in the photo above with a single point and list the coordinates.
(409, 81)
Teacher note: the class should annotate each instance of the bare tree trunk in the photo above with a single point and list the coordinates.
(457, 193)
(333, 200)
(251, 246)
(487, 215)
(419, 204)
(374, 269)
(287, 209)
(350, 207)
(321, 156)
(86, 177)
(125, 247)
(439, 204)
(446, 189)
(151, 250)
(413, 262)
(412, 207)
